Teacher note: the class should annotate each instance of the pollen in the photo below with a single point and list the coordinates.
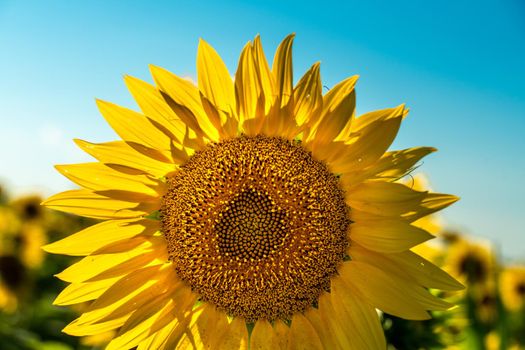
(256, 226)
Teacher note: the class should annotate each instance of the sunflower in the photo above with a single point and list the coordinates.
(247, 213)
(28, 208)
(13, 276)
(512, 287)
(23, 233)
(471, 262)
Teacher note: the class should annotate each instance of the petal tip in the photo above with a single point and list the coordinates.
(48, 248)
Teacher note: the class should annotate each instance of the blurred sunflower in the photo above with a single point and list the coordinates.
(3, 196)
(12, 278)
(20, 249)
(247, 212)
(512, 287)
(27, 231)
(8, 299)
(471, 262)
(28, 208)
(485, 302)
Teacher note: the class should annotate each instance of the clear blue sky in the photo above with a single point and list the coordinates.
(459, 65)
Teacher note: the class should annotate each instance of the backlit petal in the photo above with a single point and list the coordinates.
(282, 70)
(186, 97)
(121, 154)
(86, 203)
(99, 177)
(97, 236)
(358, 318)
(214, 79)
(135, 127)
(387, 236)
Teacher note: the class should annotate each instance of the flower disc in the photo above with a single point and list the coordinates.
(256, 226)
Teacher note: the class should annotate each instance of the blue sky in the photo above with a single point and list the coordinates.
(458, 65)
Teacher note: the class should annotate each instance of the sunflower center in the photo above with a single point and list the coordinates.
(473, 268)
(520, 289)
(255, 226)
(251, 226)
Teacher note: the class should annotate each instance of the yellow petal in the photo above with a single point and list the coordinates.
(280, 122)
(324, 330)
(120, 153)
(265, 75)
(234, 335)
(140, 325)
(247, 86)
(383, 291)
(338, 110)
(282, 70)
(263, 336)
(81, 292)
(332, 326)
(302, 335)
(308, 96)
(105, 305)
(432, 203)
(384, 114)
(86, 203)
(158, 340)
(94, 265)
(330, 153)
(368, 147)
(154, 106)
(283, 334)
(384, 198)
(387, 236)
(225, 124)
(184, 315)
(97, 236)
(183, 336)
(91, 329)
(135, 127)
(127, 294)
(169, 336)
(211, 326)
(215, 81)
(204, 331)
(407, 264)
(397, 164)
(358, 318)
(98, 177)
(150, 258)
(186, 97)
(391, 166)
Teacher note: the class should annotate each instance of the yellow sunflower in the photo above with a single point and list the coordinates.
(23, 231)
(13, 276)
(28, 208)
(512, 287)
(470, 262)
(8, 299)
(247, 213)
